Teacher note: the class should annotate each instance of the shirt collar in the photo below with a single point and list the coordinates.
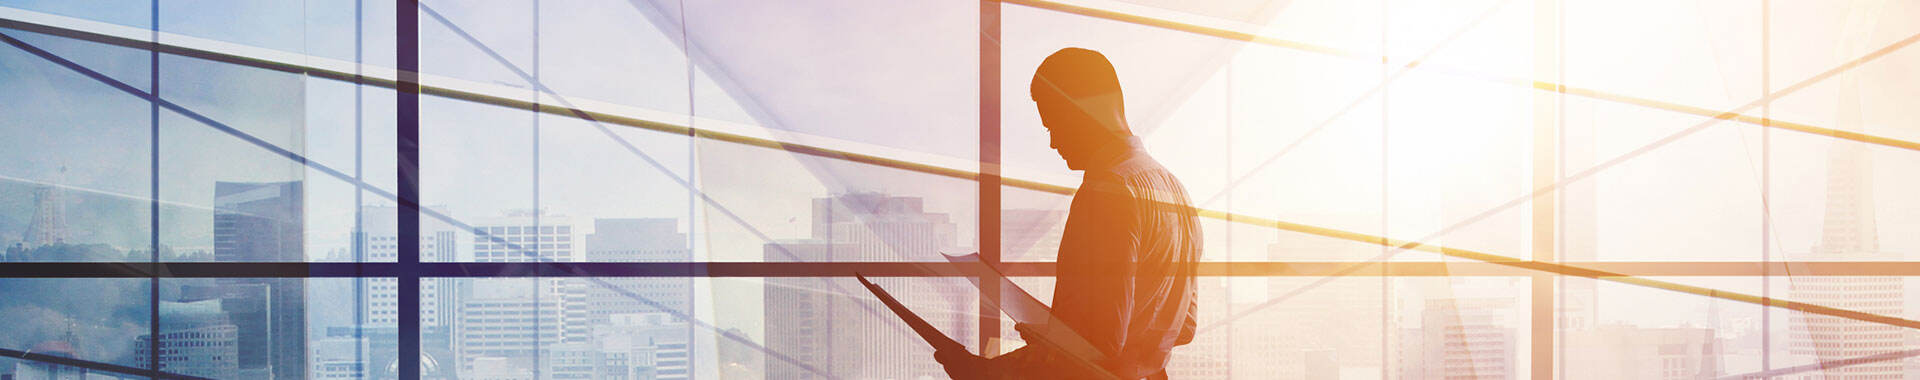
(1132, 147)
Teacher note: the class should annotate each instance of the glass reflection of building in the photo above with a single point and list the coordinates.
(1849, 232)
(630, 330)
(379, 241)
(261, 222)
(555, 328)
(1460, 338)
(199, 338)
(852, 336)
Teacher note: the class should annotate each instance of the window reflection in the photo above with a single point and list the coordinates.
(816, 139)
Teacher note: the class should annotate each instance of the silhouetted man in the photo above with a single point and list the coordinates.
(1127, 258)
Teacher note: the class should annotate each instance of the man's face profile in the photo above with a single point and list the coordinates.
(1078, 97)
(1070, 132)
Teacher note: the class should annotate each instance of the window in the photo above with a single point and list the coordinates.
(671, 190)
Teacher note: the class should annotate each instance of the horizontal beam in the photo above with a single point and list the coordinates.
(90, 365)
(940, 269)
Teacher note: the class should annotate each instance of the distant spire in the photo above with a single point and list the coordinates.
(49, 225)
(1849, 225)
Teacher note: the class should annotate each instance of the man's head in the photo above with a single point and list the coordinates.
(1079, 99)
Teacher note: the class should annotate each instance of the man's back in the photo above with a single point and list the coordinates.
(1127, 261)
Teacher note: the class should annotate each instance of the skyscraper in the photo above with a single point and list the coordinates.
(836, 328)
(379, 240)
(1459, 338)
(197, 338)
(1849, 233)
(638, 240)
(628, 305)
(49, 224)
(264, 222)
(504, 324)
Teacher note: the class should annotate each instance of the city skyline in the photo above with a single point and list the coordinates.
(235, 190)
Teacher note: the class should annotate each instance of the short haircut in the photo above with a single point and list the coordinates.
(1075, 73)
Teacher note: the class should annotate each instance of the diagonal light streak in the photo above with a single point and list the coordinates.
(1584, 174)
(296, 157)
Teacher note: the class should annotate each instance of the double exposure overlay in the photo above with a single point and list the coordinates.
(666, 189)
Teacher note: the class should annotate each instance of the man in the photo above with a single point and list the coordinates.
(1127, 258)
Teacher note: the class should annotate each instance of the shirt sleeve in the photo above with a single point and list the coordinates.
(1094, 294)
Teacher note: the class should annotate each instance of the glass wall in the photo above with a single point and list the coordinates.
(648, 189)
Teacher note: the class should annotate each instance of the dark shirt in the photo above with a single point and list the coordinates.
(1126, 266)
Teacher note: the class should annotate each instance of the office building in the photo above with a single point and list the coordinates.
(1850, 233)
(199, 338)
(832, 325)
(379, 242)
(638, 240)
(1459, 338)
(264, 222)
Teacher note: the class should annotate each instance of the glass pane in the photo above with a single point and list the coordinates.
(761, 204)
(1696, 198)
(1808, 39)
(1305, 144)
(128, 13)
(1843, 200)
(272, 25)
(44, 317)
(1708, 54)
(476, 165)
(904, 76)
(277, 327)
(334, 30)
(625, 207)
(1440, 194)
(624, 189)
(75, 186)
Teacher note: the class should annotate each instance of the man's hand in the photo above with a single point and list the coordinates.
(1029, 333)
(962, 365)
